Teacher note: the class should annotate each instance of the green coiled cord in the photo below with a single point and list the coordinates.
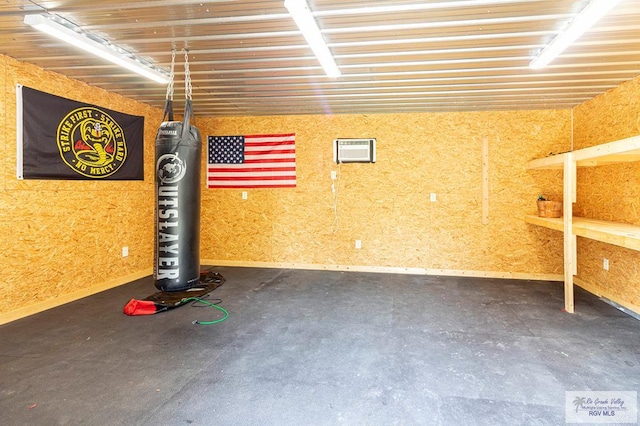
(213, 305)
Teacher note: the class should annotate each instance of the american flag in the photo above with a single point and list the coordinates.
(253, 161)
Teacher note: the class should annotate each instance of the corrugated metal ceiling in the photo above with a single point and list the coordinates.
(248, 57)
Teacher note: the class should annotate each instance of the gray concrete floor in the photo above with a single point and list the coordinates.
(319, 348)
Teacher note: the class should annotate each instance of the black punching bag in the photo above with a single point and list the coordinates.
(178, 156)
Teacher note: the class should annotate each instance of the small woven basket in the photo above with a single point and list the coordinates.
(548, 208)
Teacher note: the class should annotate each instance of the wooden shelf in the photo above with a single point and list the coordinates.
(546, 222)
(550, 162)
(622, 151)
(619, 234)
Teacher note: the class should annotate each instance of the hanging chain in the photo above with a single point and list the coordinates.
(187, 76)
(171, 75)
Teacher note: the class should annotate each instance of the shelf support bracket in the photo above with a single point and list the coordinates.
(570, 243)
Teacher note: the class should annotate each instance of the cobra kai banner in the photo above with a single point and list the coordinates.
(59, 138)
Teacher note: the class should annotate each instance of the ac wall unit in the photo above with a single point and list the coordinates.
(354, 150)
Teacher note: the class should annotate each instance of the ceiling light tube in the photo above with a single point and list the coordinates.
(301, 14)
(595, 10)
(99, 48)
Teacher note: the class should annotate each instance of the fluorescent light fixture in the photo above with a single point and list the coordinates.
(595, 10)
(96, 46)
(305, 21)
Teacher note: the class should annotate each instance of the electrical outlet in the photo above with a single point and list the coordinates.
(358, 244)
(605, 264)
(333, 175)
(125, 251)
(245, 195)
(432, 197)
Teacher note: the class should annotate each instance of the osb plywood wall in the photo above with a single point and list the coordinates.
(387, 205)
(65, 236)
(61, 237)
(609, 192)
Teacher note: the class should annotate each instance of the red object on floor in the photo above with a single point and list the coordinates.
(140, 307)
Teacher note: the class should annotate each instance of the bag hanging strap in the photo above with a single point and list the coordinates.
(168, 106)
(188, 107)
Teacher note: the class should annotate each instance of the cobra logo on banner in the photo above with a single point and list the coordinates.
(91, 142)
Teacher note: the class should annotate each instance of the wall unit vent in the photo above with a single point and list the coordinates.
(354, 150)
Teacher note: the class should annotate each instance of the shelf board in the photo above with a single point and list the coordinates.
(546, 222)
(550, 162)
(622, 151)
(619, 234)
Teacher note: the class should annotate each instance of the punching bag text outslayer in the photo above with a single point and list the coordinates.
(178, 156)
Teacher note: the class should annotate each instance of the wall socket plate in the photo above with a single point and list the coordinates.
(605, 264)
(125, 251)
(358, 244)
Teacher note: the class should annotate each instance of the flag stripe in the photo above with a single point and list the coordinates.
(272, 161)
(253, 185)
(248, 169)
(269, 141)
(252, 161)
(290, 153)
(255, 176)
(270, 156)
(250, 144)
(256, 165)
(271, 138)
